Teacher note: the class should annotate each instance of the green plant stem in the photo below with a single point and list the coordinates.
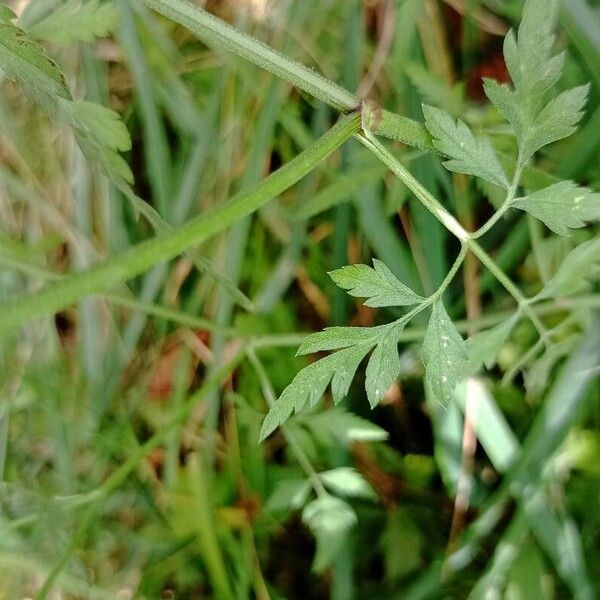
(440, 213)
(428, 201)
(270, 398)
(141, 257)
(207, 535)
(215, 32)
(510, 196)
(511, 288)
(285, 340)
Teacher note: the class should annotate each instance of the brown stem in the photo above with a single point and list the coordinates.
(381, 52)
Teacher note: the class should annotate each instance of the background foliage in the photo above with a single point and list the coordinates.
(130, 420)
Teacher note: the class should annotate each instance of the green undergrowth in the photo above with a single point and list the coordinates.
(299, 300)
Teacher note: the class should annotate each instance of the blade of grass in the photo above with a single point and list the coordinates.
(156, 147)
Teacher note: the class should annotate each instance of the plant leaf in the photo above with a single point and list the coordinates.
(329, 519)
(528, 55)
(537, 376)
(444, 355)
(76, 21)
(311, 382)
(347, 481)
(343, 376)
(25, 61)
(99, 131)
(101, 135)
(484, 347)
(579, 267)
(383, 367)
(534, 70)
(289, 494)
(379, 285)
(470, 155)
(342, 426)
(557, 120)
(333, 338)
(562, 206)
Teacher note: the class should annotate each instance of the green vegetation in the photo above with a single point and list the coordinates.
(186, 196)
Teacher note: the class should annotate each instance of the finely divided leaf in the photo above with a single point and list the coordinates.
(379, 285)
(534, 70)
(339, 425)
(562, 206)
(528, 56)
(383, 368)
(25, 61)
(77, 21)
(310, 384)
(329, 519)
(101, 135)
(470, 155)
(556, 121)
(444, 355)
(333, 338)
(484, 347)
(99, 131)
(579, 267)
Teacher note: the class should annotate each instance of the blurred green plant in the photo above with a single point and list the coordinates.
(528, 116)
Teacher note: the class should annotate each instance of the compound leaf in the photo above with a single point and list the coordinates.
(378, 284)
(444, 355)
(99, 131)
(310, 384)
(534, 70)
(470, 155)
(562, 206)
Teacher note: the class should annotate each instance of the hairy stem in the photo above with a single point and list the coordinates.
(141, 257)
(428, 201)
(215, 32)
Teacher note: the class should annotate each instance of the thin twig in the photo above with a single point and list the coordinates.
(381, 52)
